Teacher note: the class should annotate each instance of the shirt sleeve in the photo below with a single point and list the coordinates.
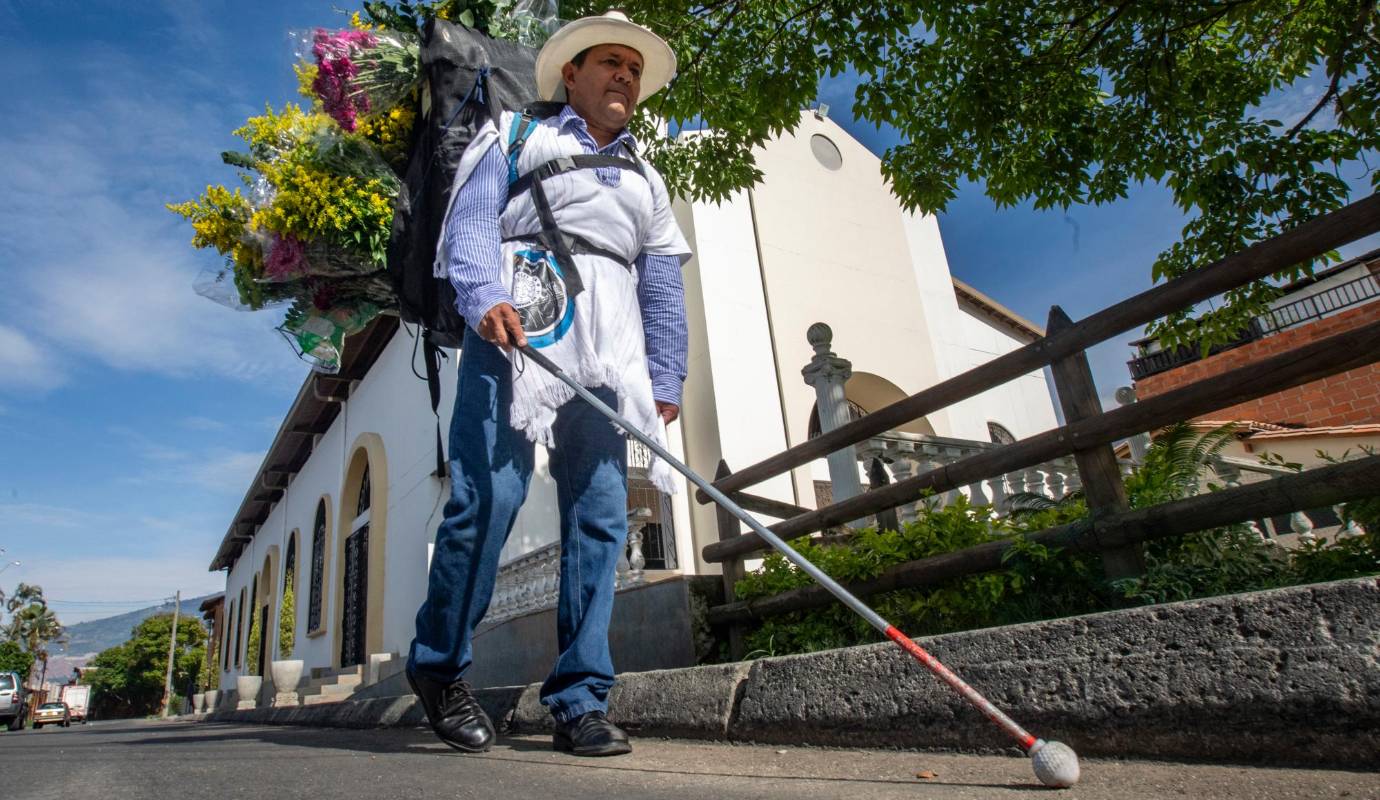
(661, 296)
(473, 244)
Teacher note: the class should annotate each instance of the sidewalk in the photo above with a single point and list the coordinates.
(128, 760)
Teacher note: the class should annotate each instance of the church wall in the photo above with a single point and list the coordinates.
(834, 250)
(732, 401)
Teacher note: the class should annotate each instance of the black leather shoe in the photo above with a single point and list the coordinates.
(454, 714)
(591, 734)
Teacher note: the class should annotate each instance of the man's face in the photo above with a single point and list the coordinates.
(605, 88)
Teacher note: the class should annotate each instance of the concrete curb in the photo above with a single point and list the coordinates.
(1290, 676)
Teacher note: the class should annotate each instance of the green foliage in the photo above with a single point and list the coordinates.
(1038, 582)
(32, 624)
(14, 658)
(1042, 582)
(287, 618)
(205, 676)
(127, 680)
(1205, 565)
(1175, 464)
(251, 656)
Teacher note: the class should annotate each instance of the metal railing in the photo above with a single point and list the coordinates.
(1317, 306)
(1290, 315)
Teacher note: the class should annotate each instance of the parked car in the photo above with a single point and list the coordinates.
(12, 700)
(52, 714)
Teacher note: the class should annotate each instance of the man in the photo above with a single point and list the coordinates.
(610, 312)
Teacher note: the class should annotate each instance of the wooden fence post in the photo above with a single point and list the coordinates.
(729, 528)
(1097, 466)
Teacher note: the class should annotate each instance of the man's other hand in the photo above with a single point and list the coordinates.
(668, 411)
(501, 326)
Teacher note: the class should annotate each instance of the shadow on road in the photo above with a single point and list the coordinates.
(517, 750)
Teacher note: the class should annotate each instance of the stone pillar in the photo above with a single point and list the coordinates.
(1140, 443)
(827, 373)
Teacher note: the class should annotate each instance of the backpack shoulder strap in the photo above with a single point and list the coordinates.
(522, 127)
(561, 164)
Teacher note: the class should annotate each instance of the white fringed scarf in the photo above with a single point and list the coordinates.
(602, 342)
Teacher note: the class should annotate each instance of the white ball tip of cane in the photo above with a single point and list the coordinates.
(1055, 764)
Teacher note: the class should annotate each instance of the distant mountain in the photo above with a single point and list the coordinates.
(89, 638)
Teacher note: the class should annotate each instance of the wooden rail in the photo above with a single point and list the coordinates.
(1316, 488)
(1338, 353)
(1295, 246)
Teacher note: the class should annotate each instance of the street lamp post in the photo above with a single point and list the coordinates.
(7, 566)
(172, 650)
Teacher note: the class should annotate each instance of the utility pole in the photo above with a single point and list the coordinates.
(172, 649)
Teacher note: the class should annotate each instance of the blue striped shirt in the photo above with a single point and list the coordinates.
(474, 253)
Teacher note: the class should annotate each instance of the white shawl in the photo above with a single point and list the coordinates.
(600, 341)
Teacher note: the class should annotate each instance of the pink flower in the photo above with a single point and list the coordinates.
(284, 260)
(336, 71)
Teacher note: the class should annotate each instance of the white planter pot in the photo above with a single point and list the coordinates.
(286, 675)
(247, 687)
(199, 703)
(212, 697)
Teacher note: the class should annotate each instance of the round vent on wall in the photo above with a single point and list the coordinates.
(826, 152)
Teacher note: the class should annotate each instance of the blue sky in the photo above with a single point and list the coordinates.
(133, 413)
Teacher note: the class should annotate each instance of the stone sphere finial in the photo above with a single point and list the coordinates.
(820, 336)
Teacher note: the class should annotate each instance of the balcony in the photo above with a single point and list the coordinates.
(1289, 315)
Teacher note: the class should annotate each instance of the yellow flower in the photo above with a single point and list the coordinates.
(274, 133)
(306, 75)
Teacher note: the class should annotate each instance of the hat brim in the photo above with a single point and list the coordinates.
(658, 59)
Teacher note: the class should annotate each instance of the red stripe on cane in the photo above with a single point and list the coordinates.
(988, 710)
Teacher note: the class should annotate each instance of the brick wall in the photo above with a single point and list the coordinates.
(1347, 398)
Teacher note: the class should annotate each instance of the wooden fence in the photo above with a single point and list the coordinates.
(1110, 529)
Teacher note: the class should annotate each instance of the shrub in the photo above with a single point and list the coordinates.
(1040, 582)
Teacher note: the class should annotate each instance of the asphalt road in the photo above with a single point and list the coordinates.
(185, 760)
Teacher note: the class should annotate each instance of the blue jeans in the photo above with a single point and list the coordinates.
(490, 469)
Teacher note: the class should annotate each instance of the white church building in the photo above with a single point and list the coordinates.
(347, 498)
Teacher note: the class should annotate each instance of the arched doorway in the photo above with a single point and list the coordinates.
(356, 579)
(359, 589)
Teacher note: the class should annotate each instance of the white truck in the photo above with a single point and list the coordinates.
(77, 697)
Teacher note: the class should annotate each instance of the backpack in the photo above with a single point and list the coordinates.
(468, 79)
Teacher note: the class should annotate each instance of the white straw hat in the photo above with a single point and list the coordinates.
(614, 27)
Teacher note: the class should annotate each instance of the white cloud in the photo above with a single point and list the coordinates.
(226, 470)
(16, 517)
(118, 579)
(25, 365)
(104, 271)
(201, 424)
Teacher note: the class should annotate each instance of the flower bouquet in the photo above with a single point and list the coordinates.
(309, 227)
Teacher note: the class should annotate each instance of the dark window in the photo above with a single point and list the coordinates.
(6, 683)
(999, 434)
(318, 567)
(363, 504)
(290, 563)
